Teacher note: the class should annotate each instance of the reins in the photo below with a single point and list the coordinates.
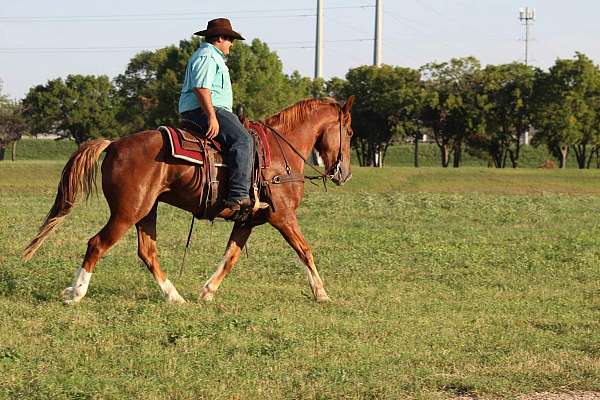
(323, 176)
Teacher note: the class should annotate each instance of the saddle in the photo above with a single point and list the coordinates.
(188, 143)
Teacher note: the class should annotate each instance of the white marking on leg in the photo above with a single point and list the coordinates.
(209, 288)
(316, 284)
(170, 292)
(309, 276)
(78, 289)
(212, 284)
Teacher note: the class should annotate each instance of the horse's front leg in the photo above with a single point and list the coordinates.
(287, 224)
(237, 240)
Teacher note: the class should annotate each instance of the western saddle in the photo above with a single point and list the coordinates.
(189, 143)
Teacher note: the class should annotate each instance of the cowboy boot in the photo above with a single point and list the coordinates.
(240, 210)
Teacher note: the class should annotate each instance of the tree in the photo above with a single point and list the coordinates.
(151, 85)
(260, 84)
(567, 108)
(81, 107)
(456, 104)
(44, 107)
(12, 124)
(509, 90)
(387, 105)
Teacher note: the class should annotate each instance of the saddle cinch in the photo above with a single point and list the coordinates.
(189, 144)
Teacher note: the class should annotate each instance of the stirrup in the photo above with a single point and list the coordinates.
(261, 205)
(243, 210)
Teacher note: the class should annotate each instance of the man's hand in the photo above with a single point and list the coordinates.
(213, 127)
(205, 101)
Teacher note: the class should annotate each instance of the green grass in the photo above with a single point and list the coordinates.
(397, 155)
(474, 282)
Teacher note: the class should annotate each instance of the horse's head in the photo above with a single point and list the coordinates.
(333, 144)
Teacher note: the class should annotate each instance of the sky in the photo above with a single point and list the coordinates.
(46, 39)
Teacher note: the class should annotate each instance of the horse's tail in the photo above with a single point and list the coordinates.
(78, 176)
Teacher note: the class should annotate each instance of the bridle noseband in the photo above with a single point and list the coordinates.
(337, 166)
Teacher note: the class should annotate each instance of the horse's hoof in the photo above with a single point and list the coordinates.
(207, 295)
(323, 299)
(321, 296)
(176, 300)
(70, 296)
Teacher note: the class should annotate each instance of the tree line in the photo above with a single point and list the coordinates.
(462, 106)
(485, 111)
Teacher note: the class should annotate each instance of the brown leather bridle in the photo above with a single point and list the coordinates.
(291, 176)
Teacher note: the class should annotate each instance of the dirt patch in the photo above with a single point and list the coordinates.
(575, 395)
(571, 395)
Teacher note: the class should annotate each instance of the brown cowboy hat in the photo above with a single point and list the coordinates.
(219, 27)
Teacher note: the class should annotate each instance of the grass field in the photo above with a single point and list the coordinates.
(401, 155)
(444, 283)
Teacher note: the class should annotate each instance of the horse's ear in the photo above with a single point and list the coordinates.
(348, 104)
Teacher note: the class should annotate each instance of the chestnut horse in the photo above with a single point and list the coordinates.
(138, 172)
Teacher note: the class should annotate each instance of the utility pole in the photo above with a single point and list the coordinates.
(378, 26)
(378, 159)
(319, 41)
(315, 158)
(526, 14)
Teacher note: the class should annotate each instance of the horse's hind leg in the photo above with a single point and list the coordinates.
(237, 240)
(288, 226)
(97, 246)
(146, 230)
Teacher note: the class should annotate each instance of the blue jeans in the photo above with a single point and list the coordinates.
(238, 148)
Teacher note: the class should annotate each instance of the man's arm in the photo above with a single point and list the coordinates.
(203, 95)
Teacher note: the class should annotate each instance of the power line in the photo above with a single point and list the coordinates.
(429, 7)
(168, 16)
(293, 47)
(104, 49)
(145, 19)
(97, 49)
(405, 22)
(326, 41)
(348, 26)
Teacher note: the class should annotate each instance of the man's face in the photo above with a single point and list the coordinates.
(224, 44)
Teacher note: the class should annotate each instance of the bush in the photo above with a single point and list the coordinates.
(45, 149)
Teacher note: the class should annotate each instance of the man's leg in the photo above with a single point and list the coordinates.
(238, 145)
(199, 120)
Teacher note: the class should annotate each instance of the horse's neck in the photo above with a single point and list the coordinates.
(304, 135)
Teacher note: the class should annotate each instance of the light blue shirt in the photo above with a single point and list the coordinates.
(206, 69)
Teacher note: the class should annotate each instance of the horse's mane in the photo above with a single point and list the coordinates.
(293, 114)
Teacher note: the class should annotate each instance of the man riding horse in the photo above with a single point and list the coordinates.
(207, 100)
(139, 172)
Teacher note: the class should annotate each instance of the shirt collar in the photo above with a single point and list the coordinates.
(215, 49)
